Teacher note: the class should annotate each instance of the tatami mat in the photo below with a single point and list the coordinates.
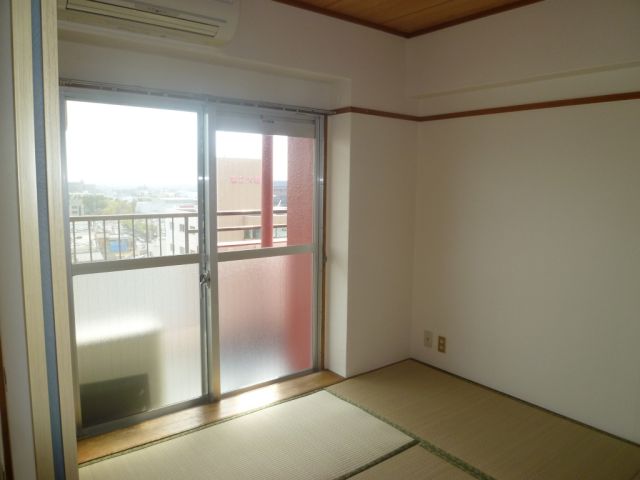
(314, 437)
(413, 464)
(500, 436)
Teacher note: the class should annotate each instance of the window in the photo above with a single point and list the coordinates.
(158, 315)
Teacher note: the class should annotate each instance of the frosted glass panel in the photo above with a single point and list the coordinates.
(265, 319)
(138, 331)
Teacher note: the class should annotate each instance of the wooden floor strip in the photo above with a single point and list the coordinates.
(158, 428)
(500, 436)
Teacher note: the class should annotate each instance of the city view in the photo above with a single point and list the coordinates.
(132, 184)
(108, 223)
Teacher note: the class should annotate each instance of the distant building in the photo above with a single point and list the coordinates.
(76, 206)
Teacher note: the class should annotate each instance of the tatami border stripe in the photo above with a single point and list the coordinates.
(430, 447)
(379, 460)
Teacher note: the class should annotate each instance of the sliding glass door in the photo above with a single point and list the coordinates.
(193, 250)
(135, 211)
(266, 196)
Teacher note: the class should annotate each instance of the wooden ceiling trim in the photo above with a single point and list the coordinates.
(393, 24)
(474, 16)
(381, 12)
(341, 16)
(427, 16)
(423, 14)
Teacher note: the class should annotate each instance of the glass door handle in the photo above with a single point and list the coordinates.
(205, 279)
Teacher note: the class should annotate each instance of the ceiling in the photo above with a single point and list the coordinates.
(408, 18)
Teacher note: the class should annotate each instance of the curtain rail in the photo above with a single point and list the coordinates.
(178, 95)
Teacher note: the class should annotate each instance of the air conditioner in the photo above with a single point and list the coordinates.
(215, 20)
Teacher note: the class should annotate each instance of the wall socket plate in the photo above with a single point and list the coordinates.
(428, 339)
(442, 344)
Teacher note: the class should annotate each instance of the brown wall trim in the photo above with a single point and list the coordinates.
(615, 97)
(475, 16)
(377, 113)
(400, 33)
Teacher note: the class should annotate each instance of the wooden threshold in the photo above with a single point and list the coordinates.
(156, 429)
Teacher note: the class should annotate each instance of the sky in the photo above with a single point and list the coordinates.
(126, 146)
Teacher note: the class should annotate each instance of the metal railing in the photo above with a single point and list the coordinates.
(102, 238)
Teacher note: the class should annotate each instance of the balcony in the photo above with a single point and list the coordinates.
(104, 238)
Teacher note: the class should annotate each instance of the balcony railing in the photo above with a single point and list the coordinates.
(103, 238)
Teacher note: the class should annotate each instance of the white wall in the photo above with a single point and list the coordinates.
(497, 198)
(526, 223)
(293, 56)
(381, 207)
(547, 50)
(527, 257)
(279, 53)
(88, 61)
(369, 240)
(373, 61)
(337, 243)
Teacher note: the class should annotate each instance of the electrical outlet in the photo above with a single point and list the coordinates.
(428, 339)
(442, 344)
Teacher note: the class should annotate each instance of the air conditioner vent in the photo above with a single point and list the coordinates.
(215, 19)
